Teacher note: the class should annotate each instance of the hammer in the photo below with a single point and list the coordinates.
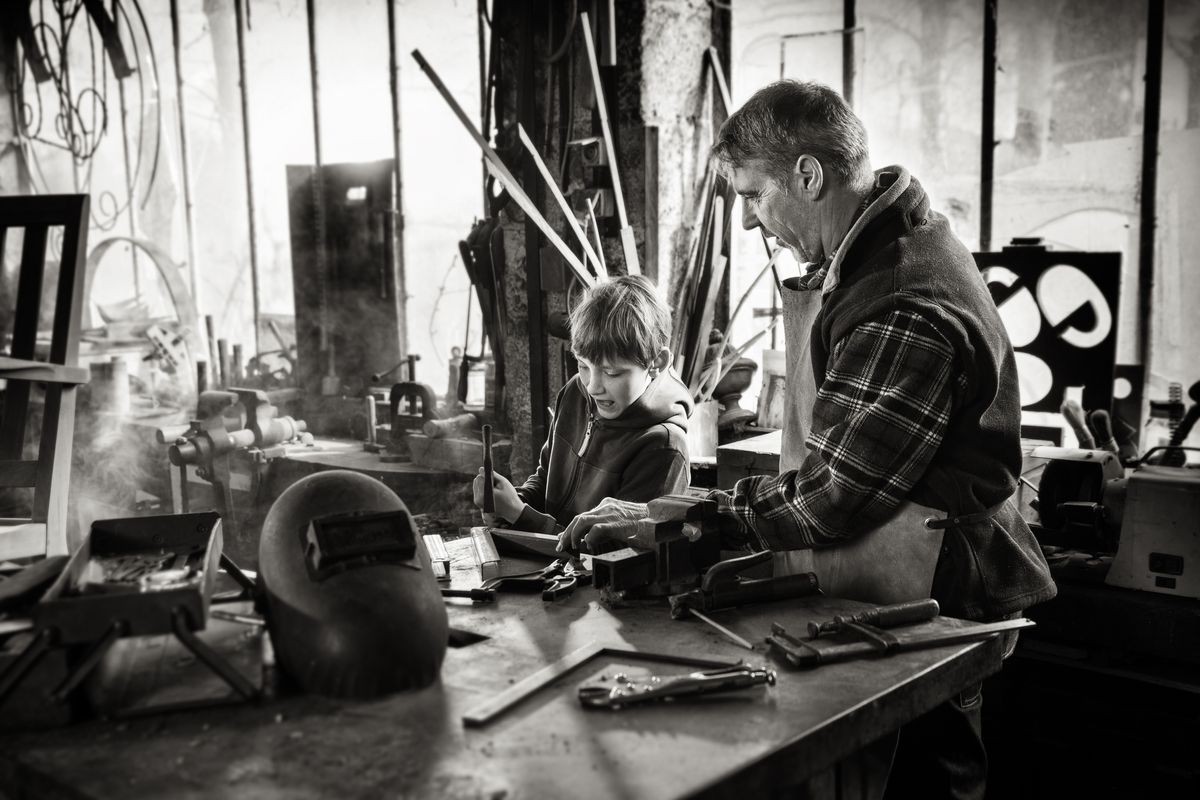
(489, 499)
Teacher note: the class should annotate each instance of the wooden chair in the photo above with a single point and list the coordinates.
(45, 531)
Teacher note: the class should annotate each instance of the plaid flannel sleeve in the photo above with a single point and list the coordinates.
(880, 416)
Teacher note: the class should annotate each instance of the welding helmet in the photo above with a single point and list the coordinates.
(353, 606)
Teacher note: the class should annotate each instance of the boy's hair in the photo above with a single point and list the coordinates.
(621, 319)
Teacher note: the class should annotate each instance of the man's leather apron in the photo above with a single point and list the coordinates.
(891, 563)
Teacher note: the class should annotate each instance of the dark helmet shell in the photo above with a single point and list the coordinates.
(363, 632)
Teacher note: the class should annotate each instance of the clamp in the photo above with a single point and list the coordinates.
(723, 586)
(624, 691)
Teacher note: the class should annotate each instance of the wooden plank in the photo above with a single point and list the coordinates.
(562, 201)
(22, 540)
(496, 166)
(17, 474)
(628, 244)
(24, 337)
(27, 370)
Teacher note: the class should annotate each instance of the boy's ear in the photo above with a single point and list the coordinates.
(661, 361)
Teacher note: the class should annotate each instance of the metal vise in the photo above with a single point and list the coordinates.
(677, 556)
(228, 422)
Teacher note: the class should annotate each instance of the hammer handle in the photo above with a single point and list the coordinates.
(898, 614)
(489, 498)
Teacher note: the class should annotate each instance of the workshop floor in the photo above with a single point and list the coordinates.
(1055, 731)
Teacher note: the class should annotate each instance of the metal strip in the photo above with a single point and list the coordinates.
(987, 137)
(239, 15)
(1150, 128)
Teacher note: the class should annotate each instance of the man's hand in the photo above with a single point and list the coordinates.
(611, 520)
(509, 505)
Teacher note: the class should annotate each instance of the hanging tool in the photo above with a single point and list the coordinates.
(724, 587)
(624, 691)
(813, 652)
(881, 617)
(551, 184)
(628, 243)
(500, 172)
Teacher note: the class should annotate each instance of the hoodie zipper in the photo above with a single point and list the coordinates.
(587, 434)
(587, 437)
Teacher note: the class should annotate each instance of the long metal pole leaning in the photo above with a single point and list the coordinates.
(628, 245)
(551, 184)
(496, 165)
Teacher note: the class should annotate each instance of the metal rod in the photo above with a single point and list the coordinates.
(189, 214)
(318, 181)
(484, 91)
(497, 167)
(240, 14)
(213, 661)
(489, 497)
(1150, 128)
(628, 245)
(558, 197)
(987, 137)
(728, 634)
(75, 677)
(129, 187)
(398, 177)
(849, 24)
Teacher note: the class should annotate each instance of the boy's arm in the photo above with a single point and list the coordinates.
(654, 473)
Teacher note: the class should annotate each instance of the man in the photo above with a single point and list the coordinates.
(916, 396)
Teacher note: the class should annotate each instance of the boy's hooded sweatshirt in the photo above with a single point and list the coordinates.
(640, 455)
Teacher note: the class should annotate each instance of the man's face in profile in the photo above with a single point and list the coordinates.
(779, 209)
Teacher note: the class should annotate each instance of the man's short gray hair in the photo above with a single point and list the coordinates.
(787, 119)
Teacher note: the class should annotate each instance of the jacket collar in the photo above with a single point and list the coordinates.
(890, 184)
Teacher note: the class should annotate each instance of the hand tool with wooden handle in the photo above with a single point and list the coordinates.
(881, 617)
(489, 496)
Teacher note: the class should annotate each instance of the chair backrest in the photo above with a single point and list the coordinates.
(49, 474)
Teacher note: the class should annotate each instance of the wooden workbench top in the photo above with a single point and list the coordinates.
(415, 745)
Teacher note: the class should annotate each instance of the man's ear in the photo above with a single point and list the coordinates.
(661, 361)
(808, 176)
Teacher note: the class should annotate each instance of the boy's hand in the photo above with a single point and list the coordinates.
(508, 504)
(615, 520)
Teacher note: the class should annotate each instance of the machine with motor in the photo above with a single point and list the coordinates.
(1149, 514)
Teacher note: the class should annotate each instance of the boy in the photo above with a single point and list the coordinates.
(620, 425)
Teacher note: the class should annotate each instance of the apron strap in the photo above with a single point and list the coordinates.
(933, 523)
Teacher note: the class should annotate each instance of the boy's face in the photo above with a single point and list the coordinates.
(613, 385)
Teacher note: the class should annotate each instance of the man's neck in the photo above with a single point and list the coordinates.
(841, 211)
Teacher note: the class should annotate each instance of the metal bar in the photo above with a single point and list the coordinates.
(240, 14)
(131, 206)
(987, 137)
(728, 634)
(318, 192)
(75, 677)
(714, 61)
(1150, 128)
(485, 69)
(628, 245)
(496, 166)
(527, 116)
(28, 659)
(489, 497)
(189, 215)
(849, 24)
(398, 177)
(558, 197)
(203, 652)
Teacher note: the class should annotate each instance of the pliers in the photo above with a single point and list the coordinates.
(557, 579)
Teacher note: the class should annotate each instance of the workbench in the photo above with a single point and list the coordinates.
(806, 728)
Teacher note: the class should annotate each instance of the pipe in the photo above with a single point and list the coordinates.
(239, 14)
